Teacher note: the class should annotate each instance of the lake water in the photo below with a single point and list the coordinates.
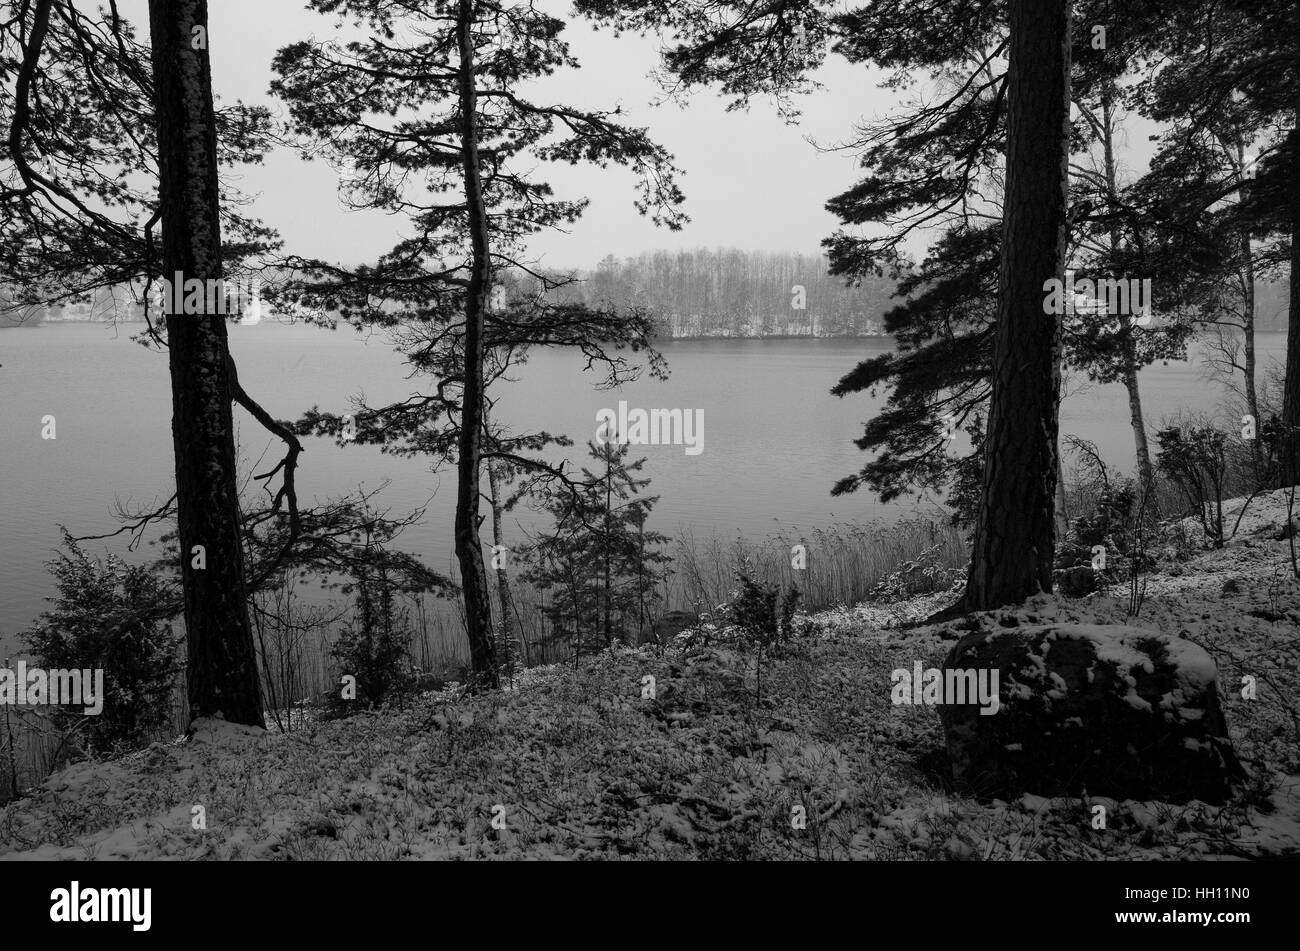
(774, 439)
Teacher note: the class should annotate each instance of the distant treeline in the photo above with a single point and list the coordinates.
(723, 292)
(103, 304)
(734, 293)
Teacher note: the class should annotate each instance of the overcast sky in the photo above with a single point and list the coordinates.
(751, 180)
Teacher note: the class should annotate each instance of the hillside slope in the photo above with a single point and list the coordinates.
(577, 764)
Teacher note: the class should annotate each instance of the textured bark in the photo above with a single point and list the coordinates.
(1248, 333)
(469, 549)
(1145, 471)
(503, 575)
(1015, 533)
(1062, 503)
(222, 662)
(1248, 324)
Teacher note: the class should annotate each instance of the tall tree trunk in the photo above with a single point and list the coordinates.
(640, 580)
(469, 549)
(1246, 277)
(1137, 421)
(1248, 345)
(1136, 418)
(1291, 384)
(1248, 327)
(222, 659)
(608, 615)
(1062, 504)
(503, 577)
(1015, 533)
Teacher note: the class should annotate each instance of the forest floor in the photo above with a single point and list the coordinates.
(577, 764)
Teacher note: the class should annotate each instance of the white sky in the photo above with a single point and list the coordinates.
(751, 181)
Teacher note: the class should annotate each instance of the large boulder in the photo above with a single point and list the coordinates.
(1112, 710)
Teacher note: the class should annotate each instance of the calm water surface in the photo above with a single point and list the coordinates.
(775, 440)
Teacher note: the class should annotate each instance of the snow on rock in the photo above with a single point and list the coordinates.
(1114, 709)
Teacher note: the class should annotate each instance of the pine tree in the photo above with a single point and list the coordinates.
(105, 145)
(222, 672)
(1012, 553)
(375, 646)
(459, 69)
(600, 566)
(1226, 171)
(98, 619)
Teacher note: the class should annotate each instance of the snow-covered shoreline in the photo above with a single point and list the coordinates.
(581, 764)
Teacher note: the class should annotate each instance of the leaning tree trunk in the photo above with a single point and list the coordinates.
(1015, 534)
(222, 660)
(1136, 417)
(469, 549)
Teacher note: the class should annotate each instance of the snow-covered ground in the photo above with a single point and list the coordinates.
(579, 764)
